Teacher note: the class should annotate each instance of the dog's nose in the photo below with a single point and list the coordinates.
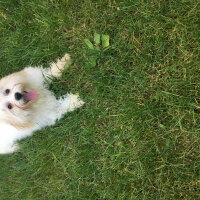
(18, 96)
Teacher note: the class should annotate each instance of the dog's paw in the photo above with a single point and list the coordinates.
(61, 64)
(66, 59)
(70, 102)
(75, 101)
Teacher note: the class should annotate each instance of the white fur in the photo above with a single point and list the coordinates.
(25, 118)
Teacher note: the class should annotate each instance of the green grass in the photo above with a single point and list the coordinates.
(137, 136)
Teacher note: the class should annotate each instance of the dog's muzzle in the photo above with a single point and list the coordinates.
(18, 96)
(27, 96)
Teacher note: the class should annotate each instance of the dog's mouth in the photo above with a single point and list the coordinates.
(22, 95)
(29, 96)
(23, 99)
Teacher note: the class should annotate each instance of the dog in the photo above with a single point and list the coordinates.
(27, 105)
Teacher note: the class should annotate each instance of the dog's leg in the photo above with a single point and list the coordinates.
(38, 75)
(68, 103)
(61, 64)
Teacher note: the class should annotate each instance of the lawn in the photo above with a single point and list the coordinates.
(138, 135)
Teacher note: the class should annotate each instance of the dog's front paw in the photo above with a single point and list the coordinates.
(70, 102)
(61, 64)
(74, 101)
(66, 60)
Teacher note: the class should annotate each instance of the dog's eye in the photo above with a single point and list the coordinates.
(9, 106)
(7, 91)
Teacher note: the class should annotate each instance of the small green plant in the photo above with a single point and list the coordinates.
(101, 43)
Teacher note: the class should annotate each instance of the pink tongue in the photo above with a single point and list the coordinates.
(30, 95)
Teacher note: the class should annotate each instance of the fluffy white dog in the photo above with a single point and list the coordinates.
(26, 104)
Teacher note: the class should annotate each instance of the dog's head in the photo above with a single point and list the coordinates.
(16, 97)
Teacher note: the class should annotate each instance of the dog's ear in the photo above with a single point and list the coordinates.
(6, 79)
(20, 126)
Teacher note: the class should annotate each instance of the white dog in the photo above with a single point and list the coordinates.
(26, 104)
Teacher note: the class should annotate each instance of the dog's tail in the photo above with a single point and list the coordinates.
(61, 64)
